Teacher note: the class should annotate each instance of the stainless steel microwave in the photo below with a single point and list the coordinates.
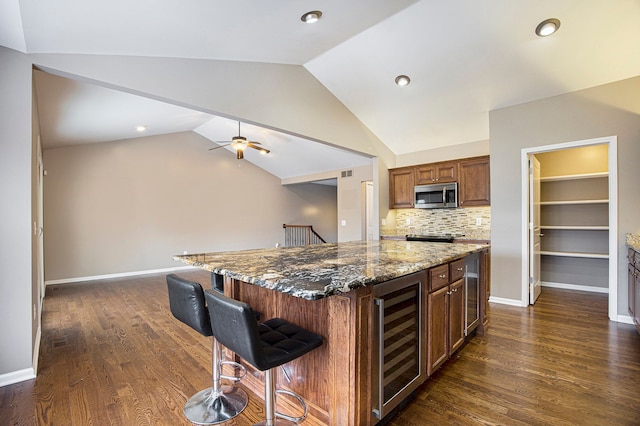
(436, 196)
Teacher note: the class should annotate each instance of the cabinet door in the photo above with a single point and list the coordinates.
(437, 173)
(636, 314)
(632, 290)
(456, 316)
(425, 174)
(438, 332)
(447, 172)
(401, 183)
(485, 288)
(474, 182)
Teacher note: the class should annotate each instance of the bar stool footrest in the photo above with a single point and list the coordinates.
(235, 365)
(302, 404)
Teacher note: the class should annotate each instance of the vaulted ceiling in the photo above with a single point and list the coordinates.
(464, 57)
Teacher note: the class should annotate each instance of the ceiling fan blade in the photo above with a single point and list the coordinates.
(255, 145)
(219, 146)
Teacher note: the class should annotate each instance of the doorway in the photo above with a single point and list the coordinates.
(578, 226)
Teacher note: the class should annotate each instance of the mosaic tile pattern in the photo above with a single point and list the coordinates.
(317, 271)
(442, 221)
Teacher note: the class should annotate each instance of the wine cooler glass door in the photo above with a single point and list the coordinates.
(399, 339)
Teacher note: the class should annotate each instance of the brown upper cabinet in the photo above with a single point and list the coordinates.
(472, 175)
(436, 173)
(401, 183)
(474, 183)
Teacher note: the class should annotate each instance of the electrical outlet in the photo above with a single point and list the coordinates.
(408, 221)
(343, 222)
(478, 221)
(384, 221)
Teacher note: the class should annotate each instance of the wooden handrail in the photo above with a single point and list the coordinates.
(301, 235)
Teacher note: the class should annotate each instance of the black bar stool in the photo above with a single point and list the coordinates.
(266, 345)
(218, 403)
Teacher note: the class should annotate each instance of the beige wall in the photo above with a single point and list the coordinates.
(612, 109)
(16, 317)
(297, 103)
(452, 152)
(131, 205)
(573, 161)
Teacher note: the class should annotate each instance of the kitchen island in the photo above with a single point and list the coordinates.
(330, 289)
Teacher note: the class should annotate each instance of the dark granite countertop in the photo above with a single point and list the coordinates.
(633, 241)
(317, 271)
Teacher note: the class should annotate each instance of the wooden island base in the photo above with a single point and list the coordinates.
(335, 379)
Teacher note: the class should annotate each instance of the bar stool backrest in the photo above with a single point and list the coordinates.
(187, 304)
(234, 324)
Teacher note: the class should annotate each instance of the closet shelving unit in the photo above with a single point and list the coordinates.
(574, 216)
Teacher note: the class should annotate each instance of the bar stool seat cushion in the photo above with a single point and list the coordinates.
(266, 345)
(283, 342)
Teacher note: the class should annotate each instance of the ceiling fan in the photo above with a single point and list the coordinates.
(240, 143)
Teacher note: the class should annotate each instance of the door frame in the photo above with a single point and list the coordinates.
(534, 212)
(612, 142)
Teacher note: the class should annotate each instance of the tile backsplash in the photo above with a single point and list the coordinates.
(442, 221)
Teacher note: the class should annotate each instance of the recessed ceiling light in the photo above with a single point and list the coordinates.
(141, 128)
(311, 17)
(547, 27)
(403, 80)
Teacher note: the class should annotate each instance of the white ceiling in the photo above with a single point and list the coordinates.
(465, 58)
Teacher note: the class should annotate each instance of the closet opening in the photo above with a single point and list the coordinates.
(569, 219)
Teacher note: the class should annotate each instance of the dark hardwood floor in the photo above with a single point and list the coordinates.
(112, 354)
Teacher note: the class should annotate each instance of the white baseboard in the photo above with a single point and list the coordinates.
(626, 319)
(118, 275)
(16, 376)
(575, 287)
(503, 301)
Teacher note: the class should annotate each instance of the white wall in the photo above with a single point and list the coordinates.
(608, 110)
(16, 347)
(130, 205)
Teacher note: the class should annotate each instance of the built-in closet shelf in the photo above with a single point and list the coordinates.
(572, 202)
(575, 227)
(574, 177)
(575, 254)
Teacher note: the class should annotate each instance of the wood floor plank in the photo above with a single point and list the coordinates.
(112, 354)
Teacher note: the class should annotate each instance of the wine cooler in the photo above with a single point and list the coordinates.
(399, 367)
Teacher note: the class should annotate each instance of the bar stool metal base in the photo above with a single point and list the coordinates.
(204, 408)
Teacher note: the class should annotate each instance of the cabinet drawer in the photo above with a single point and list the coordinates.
(438, 277)
(456, 270)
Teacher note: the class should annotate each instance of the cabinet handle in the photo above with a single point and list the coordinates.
(454, 290)
(459, 269)
(442, 276)
(449, 293)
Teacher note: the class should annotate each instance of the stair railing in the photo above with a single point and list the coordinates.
(301, 235)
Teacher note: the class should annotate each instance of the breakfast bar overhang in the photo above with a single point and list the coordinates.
(334, 290)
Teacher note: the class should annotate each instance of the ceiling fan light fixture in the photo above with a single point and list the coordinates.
(311, 17)
(402, 80)
(239, 143)
(547, 27)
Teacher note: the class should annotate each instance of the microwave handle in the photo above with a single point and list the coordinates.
(444, 195)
